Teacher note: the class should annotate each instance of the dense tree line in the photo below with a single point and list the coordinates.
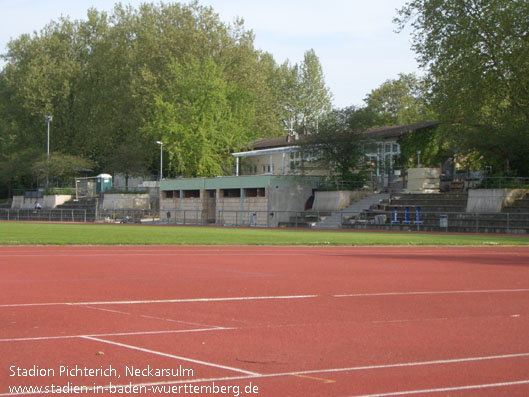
(118, 82)
(476, 55)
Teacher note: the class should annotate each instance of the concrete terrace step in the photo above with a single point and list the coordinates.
(334, 221)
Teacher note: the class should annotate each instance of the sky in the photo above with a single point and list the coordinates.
(355, 40)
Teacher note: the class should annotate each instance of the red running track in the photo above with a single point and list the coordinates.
(267, 321)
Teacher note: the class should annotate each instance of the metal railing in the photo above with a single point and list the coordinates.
(54, 215)
(411, 220)
(511, 223)
(503, 182)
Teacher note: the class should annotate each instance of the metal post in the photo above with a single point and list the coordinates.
(48, 120)
(161, 157)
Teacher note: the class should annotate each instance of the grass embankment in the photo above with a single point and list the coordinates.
(12, 233)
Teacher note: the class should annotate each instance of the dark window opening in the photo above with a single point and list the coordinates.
(191, 193)
(171, 194)
(255, 192)
(231, 192)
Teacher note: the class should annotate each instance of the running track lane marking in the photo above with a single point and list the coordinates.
(173, 356)
(445, 389)
(116, 334)
(250, 298)
(150, 317)
(262, 376)
(191, 300)
(484, 291)
(315, 378)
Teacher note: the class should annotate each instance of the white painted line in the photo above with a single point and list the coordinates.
(179, 321)
(179, 331)
(447, 389)
(190, 300)
(250, 298)
(413, 364)
(485, 291)
(107, 310)
(173, 356)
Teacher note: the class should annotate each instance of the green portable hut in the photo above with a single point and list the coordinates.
(103, 183)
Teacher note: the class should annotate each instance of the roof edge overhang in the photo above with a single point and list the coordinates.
(264, 152)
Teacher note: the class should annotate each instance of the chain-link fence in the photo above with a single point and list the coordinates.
(412, 219)
(55, 215)
(405, 219)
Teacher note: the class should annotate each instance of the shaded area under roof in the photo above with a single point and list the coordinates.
(397, 131)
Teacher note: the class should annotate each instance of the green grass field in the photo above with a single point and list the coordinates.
(12, 233)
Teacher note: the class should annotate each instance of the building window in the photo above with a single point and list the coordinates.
(229, 193)
(255, 192)
(191, 193)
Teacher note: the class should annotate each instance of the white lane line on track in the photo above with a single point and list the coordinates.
(107, 310)
(190, 300)
(117, 334)
(447, 389)
(251, 298)
(413, 364)
(485, 291)
(150, 317)
(200, 362)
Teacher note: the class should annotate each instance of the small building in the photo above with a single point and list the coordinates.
(382, 149)
(253, 200)
(272, 182)
(284, 156)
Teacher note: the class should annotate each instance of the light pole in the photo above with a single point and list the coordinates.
(418, 158)
(48, 120)
(161, 157)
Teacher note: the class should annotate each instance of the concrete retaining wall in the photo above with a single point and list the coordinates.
(492, 200)
(126, 201)
(422, 180)
(47, 202)
(336, 201)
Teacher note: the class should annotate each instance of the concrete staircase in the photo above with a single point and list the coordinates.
(82, 210)
(335, 219)
(441, 212)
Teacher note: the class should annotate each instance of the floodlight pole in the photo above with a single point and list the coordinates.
(161, 157)
(48, 120)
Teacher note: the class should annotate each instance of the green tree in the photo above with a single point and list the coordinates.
(337, 147)
(305, 97)
(400, 101)
(60, 167)
(314, 97)
(476, 53)
(200, 118)
(112, 79)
